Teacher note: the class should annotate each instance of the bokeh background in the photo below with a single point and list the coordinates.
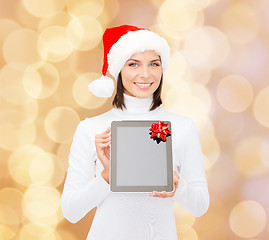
(50, 50)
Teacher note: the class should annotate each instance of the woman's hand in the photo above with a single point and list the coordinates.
(102, 144)
(165, 194)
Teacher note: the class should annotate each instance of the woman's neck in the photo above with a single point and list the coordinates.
(135, 105)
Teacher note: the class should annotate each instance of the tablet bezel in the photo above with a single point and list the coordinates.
(113, 158)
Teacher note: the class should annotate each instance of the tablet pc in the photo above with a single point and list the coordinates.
(140, 162)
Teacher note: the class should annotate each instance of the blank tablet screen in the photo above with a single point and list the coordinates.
(138, 161)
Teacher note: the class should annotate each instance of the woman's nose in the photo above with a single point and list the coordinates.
(145, 72)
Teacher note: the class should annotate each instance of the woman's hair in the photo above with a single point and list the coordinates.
(118, 100)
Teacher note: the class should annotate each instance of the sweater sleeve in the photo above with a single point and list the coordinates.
(82, 191)
(192, 191)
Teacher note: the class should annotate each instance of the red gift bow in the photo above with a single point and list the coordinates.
(159, 130)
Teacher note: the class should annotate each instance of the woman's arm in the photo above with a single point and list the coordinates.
(82, 191)
(192, 192)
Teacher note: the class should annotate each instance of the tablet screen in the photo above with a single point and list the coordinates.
(143, 161)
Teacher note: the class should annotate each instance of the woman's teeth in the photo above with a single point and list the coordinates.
(143, 84)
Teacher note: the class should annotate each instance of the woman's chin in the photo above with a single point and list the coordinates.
(142, 94)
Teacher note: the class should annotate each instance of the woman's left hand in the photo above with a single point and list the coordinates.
(165, 194)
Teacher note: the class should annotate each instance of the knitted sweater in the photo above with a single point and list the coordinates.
(134, 216)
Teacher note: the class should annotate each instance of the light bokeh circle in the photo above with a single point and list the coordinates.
(41, 169)
(235, 93)
(20, 46)
(40, 80)
(84, 32)
(30, 164)
(206, 47)
(60, 124)
(247, 219)
(53, 44)
(41, 200)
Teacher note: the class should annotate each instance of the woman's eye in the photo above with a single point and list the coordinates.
(133, 64)
(155, 64)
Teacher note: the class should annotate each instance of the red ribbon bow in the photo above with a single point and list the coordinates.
(159, 130)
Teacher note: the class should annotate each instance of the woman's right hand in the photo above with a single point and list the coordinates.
(102, 144)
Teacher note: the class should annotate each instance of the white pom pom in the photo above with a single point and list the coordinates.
(102, 87)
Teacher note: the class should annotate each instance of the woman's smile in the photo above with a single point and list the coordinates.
(144, 86)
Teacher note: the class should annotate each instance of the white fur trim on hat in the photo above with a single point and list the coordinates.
(102, 87)
(135, 42)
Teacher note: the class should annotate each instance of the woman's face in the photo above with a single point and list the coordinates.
(141, 74)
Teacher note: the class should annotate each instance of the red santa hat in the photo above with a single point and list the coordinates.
(120, 43)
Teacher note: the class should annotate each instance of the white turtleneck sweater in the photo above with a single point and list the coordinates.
(133, 216)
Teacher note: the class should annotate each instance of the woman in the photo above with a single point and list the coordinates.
(136, 58)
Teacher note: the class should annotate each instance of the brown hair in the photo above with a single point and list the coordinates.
(118, 100)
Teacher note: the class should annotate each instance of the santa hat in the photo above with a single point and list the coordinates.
(120, 43)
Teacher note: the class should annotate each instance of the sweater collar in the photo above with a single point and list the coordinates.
(136, 105)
